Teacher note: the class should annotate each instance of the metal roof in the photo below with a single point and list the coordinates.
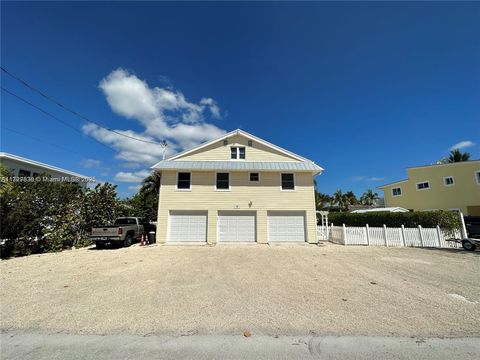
(238, 165)
(4, 155)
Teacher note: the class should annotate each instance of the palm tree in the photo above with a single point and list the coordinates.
(368, 197)
(457, 156)
(151, 184)
(322, 200)
(5, 184)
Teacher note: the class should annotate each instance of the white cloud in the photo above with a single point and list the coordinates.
(132, 177)
(91, 163)
(134, 187)
(366, 178)
(162, 113)
(462, 145)
(376, 178)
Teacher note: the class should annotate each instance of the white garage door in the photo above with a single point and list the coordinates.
(286, 226)
(187, 226)
(236, 226)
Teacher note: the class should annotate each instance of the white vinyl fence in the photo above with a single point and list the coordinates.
(384, 236)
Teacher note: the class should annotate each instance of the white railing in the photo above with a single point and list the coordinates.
(394, 237)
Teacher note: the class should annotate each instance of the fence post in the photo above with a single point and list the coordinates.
(463, 229)
(421, 235)
(344, 232)
(385, 234)
(402, 231)
(439, 236)
(367, 231)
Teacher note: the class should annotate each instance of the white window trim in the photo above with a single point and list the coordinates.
(421, 182)
(253, 172)
(229, 181)
(238, 152)
(401, 192)
(176, 182)
(294, 182)
(477, 177)
(445, 183)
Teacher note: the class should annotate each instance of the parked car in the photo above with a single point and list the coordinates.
(124, 231)
(472, 223)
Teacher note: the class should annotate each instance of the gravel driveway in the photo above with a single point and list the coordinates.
(270, 290)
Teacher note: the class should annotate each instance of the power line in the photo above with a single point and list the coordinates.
(40, 140)
(54, 117)
(58, 103)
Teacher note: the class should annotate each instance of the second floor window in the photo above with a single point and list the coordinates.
(423, 185)
(184, 180)
(223, 181)
(237, 153)
(396, 191)
(288, 182)
(448, 181)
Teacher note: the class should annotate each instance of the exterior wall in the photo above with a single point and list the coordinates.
(14, 166)
(463, 195)
(218, 152)
(265, 195)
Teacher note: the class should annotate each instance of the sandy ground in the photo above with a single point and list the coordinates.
(225, 290)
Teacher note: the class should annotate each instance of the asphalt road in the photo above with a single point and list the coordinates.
(26, 346)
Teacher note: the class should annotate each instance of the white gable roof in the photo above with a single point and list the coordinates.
(244, 134)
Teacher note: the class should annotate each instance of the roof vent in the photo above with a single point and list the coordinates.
(250, 143)
(225, 142)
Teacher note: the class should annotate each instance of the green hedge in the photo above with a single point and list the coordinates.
(447, 220)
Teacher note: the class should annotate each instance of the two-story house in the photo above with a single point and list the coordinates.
(452, 186)
(237, 188)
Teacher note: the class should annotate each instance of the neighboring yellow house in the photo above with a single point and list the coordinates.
(237, 189)
(452, 186)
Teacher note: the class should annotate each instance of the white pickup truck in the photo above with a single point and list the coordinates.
(124, 231)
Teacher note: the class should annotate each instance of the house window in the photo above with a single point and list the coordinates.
(423, 185)
(477, 177)
(448, 181)
(397, 191)
(288, 182)
(23, 173)
(223, 181)
(184, 180)
(254, 177)
(237, 153)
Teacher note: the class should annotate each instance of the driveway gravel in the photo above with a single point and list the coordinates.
(226, 290)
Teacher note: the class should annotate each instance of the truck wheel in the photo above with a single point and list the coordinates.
(469, 246)
(128, 241)
(100, 245)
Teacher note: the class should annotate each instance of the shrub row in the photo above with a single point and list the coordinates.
(447, 220)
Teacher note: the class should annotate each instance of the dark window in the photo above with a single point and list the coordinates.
(237, 153)
(241, 154)
(23, 173)
(223, 181)
(125, 221)
(183, 180)
(423, 185)
(254, 177)
(288, 182)
(396, 191)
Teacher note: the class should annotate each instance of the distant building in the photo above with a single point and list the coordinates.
(452, 186)
(25, 168)
(382, 209)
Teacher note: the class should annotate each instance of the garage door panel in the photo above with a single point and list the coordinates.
(236, 226)
(188, 226)
(286, 226)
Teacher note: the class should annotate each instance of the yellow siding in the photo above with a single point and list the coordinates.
(263, 196)
(218, 152)
(464, 195)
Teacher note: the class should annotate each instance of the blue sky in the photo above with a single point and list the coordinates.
(363, 89)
